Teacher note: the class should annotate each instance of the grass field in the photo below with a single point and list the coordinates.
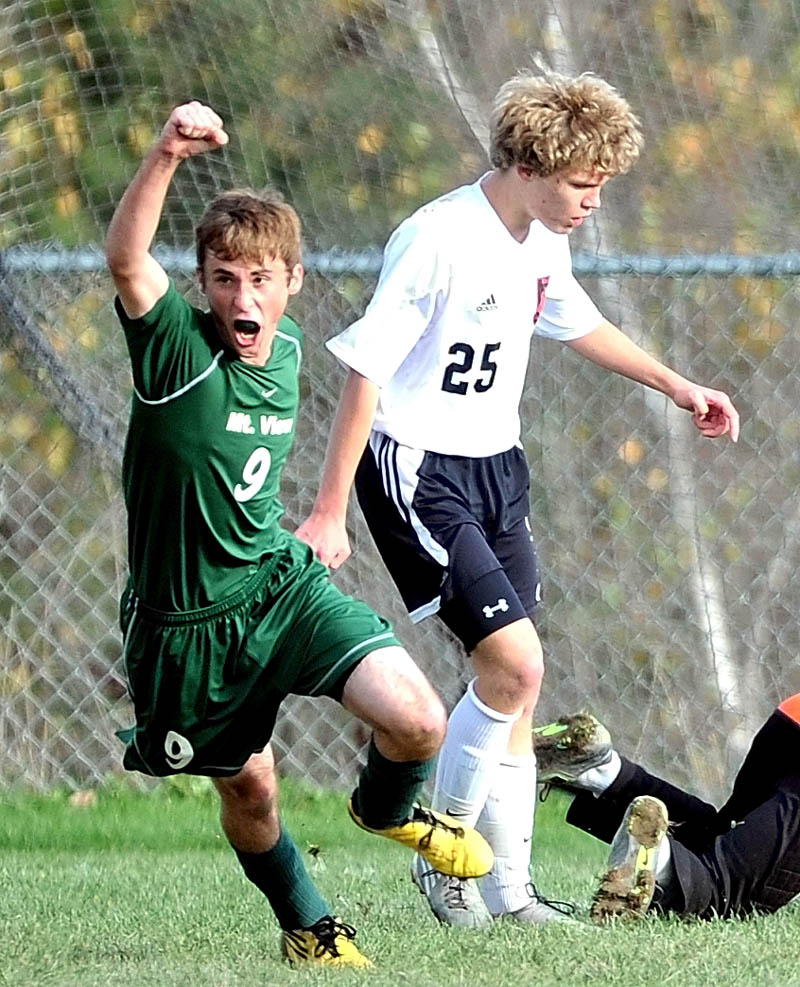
(139, 890)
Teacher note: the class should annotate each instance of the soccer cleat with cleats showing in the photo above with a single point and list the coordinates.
(570, 746)
(327, 942)
(453, 900)
(449, 847)
(626, 889)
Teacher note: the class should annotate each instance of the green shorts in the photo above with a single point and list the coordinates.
(206, 685)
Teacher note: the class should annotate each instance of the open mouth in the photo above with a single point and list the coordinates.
(246, 327)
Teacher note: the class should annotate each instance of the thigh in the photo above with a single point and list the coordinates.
(773, 760)
(310, 635)
(386, 482)
(199, 709)
(516, 553)
(756, 865)
(478, 597)
(388, 688)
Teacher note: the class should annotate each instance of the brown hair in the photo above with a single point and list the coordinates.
(247, 225)
(550, 122)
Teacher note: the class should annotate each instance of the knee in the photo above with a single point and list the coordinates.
(522, 675)
(420, 731)
(249, 793)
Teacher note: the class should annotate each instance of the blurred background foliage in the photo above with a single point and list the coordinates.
(668, 561)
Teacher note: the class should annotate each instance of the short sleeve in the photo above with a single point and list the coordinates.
(568, 312)
(412, 284)
(169, 346)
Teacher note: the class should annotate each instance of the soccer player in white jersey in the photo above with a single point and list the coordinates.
(428, 426)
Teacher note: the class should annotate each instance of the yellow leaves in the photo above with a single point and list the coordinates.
(759, 331)
(759, 338)
(742, 69)
(139, 136)
(355, 8)
(657, 479)
(407, 183)
(12, 77)
(67, 201)
(371, 139)
(517, 28)
(631, 451)
(418, 138)
(141, 21)
(686, 146)
(56, 447)
(358, 197)
(67, 130)
(654, 590)
(75, 42)
(289, 85)
(23, 140)
(21, 426)
(16, 679)
(603, 485)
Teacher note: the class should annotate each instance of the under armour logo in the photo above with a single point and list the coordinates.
(178, 750)
(502, 605)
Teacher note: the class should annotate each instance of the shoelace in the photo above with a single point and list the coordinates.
(326, 931)
(424, 815)
(455, 887)
(564, 907)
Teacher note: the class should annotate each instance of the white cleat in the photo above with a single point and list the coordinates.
(626, 889)
(453, 900)
(540, 910)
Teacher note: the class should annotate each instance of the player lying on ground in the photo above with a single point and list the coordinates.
(428, 424)
(673, 852)
(225, 612)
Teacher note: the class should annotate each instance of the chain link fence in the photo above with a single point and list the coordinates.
(667, 559)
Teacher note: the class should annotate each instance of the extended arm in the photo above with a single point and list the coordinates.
(139, 279)
(325, 528)
(712, 411)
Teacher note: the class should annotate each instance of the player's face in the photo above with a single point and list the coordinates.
(564, 200)
(247, 299)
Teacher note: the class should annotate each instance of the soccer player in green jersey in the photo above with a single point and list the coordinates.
(225, 612)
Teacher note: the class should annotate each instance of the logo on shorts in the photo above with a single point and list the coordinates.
(501, 606)
(178, 750)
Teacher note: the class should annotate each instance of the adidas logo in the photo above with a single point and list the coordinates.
(490, 305)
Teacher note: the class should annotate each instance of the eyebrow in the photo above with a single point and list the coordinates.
(227, 270)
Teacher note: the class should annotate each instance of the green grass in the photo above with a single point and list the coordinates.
(139, 890)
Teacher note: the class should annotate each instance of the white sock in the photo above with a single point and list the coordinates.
(597, 780)
(507, 824)
(477, 738)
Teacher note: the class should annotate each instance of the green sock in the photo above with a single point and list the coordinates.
(387, 789)
(280, 874)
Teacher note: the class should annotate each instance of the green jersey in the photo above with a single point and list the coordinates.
(206, 445)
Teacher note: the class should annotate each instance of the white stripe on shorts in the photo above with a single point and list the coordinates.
(398, 466)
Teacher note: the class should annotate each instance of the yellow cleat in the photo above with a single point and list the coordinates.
(449, 847)
(328, 942)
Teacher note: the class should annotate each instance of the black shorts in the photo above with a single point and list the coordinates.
(454, 534)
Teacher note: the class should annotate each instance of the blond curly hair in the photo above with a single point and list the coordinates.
(550, 122)
(241, 224)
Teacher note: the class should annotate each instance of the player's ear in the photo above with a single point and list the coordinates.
(296, 279)
(201, 279)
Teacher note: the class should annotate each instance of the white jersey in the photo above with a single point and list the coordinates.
(446, 336)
